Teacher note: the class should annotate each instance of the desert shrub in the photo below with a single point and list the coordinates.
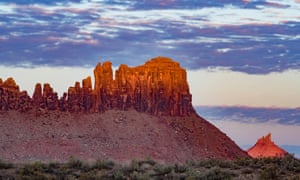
(192, 163)
(209, 163)
(91, 175)
(5, 165)
(35, 171)
(118, 174)
(180, 168)
(290, 163)
(204, 163)
(247, 171)
(103, 164)
(25, 170)
(74, 163)
(61, 173)
(217, 174)
(191, 173)
(226, 164)
(148, 160)
(268, 160)
(243, 161)
(163, 169)
(34, 177)
(30, 169)
(256, 163)
(262, 168)
(51, 167)
(139, 176)
(270, 172)
(134, 165)
(295, 177)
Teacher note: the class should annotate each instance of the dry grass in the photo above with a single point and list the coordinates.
(245, 168)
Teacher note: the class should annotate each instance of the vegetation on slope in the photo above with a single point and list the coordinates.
(245, 168)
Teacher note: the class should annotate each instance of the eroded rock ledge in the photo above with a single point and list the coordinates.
(158, 87)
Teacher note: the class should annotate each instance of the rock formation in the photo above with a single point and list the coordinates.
(158, 87)
(265, 147)
(58, 127)
(11, 98)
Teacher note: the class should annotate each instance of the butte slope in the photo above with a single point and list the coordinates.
(145, 111)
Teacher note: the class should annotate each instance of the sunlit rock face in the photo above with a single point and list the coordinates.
(158, 87)
(11, 98)
(265, 147)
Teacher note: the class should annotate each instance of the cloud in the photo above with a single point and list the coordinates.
(284, 116)
(256, 37)
(49, 2)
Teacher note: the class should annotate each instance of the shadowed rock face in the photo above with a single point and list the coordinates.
(158, 87)
(265, 147)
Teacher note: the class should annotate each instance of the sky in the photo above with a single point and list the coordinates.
(240, 54)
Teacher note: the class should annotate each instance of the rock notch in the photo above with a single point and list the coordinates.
(265, 147)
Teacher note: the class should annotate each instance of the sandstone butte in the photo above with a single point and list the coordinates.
(265, 147)
(144, 111)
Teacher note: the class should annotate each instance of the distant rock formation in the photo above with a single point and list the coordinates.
(158, 87)
(265, 147)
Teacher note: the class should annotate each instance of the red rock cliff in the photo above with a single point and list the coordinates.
(265, 147)
(158, 87)
(11, 98)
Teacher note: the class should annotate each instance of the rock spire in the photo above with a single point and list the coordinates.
(158, 87)
(265, 147)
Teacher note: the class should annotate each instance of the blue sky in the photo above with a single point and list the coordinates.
(237, 53)
(248, 36)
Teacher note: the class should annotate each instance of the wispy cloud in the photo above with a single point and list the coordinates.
(286, 116)
(247, 36)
